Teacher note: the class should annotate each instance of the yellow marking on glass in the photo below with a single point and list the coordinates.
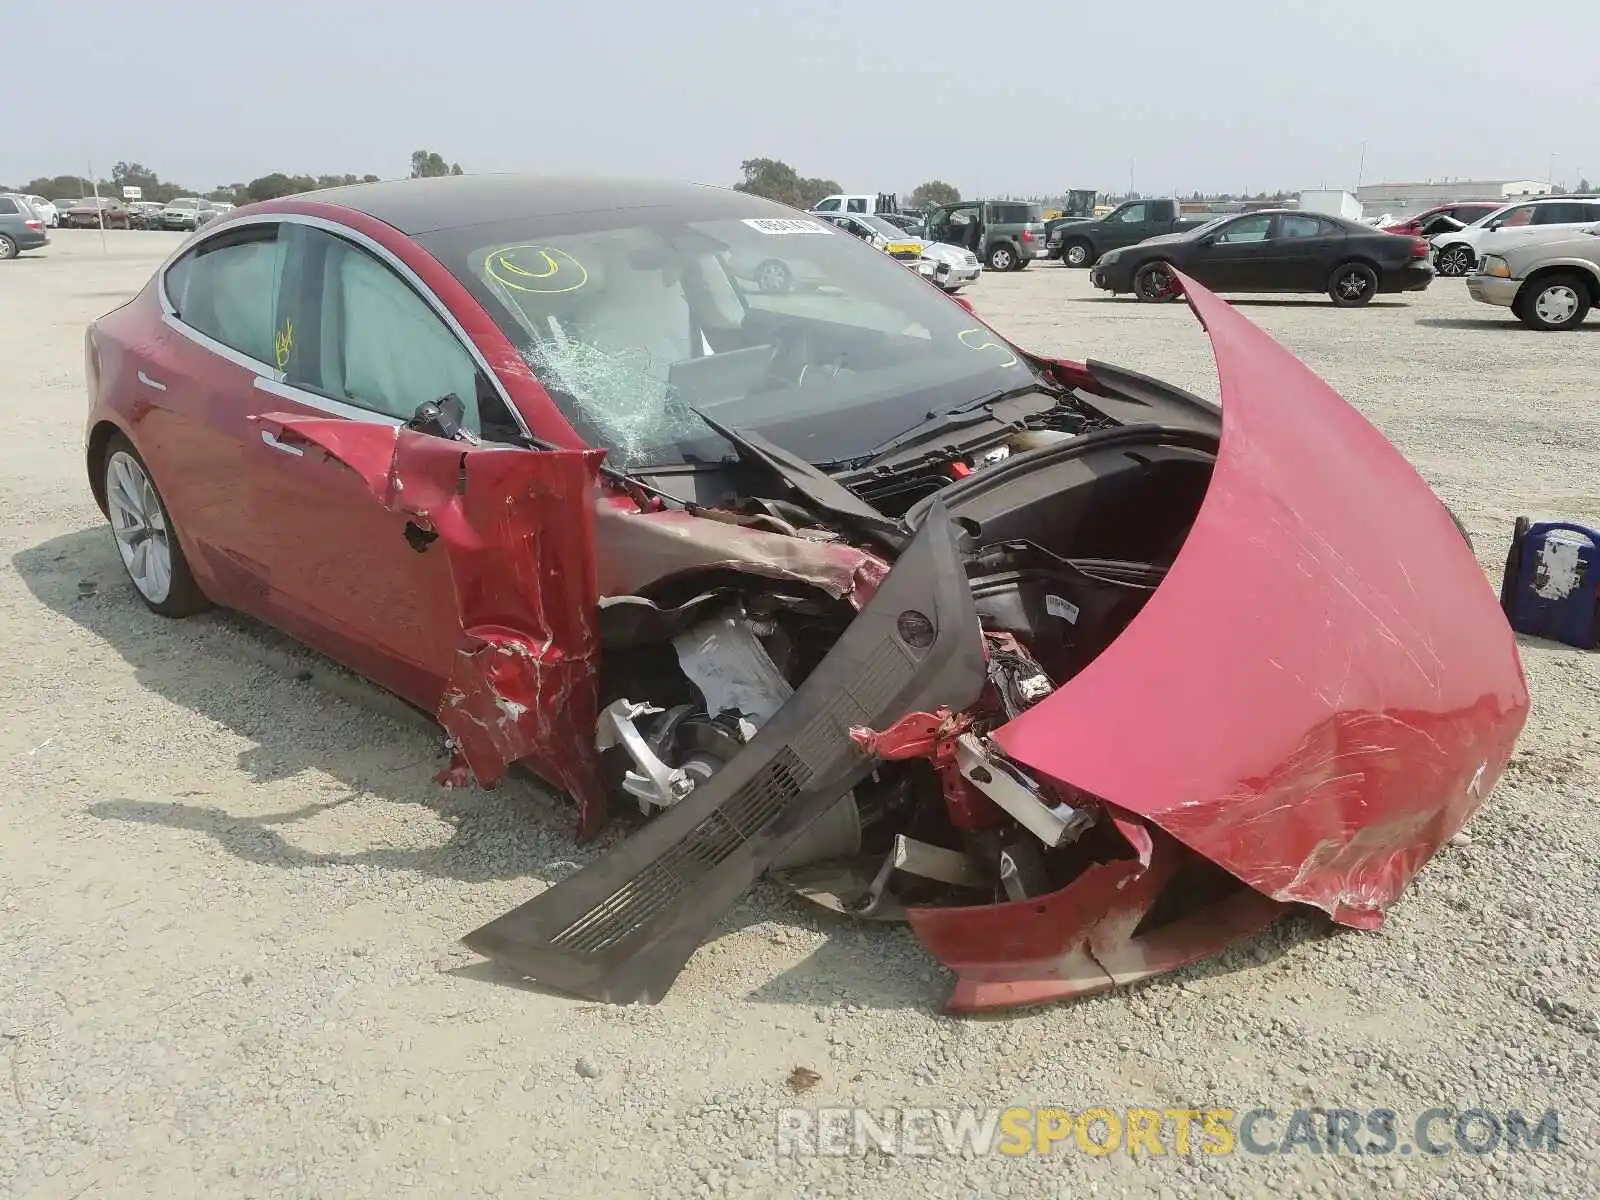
(283, 343)
(987, 344)
(561, 273)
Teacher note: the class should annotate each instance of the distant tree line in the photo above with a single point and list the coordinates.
(769, 177)
(424, 164)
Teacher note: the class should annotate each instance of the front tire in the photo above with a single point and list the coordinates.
(1352, 285)
(1553, 302)
(146, 539)
(1456, 261)
(1002, 258)
(1154, 283)
(1077, 253)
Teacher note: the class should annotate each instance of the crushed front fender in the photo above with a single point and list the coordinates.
(518, 529)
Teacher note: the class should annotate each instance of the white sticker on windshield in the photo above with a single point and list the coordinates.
(1056, 606)
(778, 226)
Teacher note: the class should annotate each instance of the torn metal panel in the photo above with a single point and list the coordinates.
(1083, 938)
(642, 549)
(518, 529)
(1328, 677)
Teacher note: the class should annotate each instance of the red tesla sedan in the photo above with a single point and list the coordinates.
(1444, 217)
(1080, 674)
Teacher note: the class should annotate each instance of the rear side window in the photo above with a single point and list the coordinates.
(227, 288)
(1301, 226)
(1565, 213)
(857, 204)
(1012, 214)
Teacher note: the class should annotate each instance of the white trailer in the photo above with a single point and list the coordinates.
(1332, 204)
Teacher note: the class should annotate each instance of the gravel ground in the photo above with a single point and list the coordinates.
(229, 890)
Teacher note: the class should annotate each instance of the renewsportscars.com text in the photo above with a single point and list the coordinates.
(1370, 1133)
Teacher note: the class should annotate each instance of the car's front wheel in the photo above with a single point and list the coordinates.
(1155, 283)
(1553, 302)
(1077, 253)
(146, 540)
(1456, 261)
(1353, 285)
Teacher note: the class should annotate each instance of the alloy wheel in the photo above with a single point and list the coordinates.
(1352, 285)
(1456, 261)
(140, 527)
(1157, 282)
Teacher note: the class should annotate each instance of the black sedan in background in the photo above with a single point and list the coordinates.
(1274, 250)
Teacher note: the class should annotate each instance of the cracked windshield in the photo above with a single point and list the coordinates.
(785, 326)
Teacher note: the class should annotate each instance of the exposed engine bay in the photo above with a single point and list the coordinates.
(1048, 537)
(1083, 688)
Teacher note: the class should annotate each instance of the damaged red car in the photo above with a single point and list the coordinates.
(1080, 674)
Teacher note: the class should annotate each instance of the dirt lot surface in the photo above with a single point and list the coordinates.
(230, 891)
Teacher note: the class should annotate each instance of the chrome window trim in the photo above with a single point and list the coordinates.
(337, 408)
(272, 380)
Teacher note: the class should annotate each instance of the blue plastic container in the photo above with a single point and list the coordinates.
(1552, 582)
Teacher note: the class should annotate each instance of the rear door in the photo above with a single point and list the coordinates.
(198, 395)
(359, 340)
(1301, 252)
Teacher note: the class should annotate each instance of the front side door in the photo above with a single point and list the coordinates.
(366, 584)
(1236, 256)
(1128, 225)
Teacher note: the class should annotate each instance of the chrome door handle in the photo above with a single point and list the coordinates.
(152, 383)
(271, 439)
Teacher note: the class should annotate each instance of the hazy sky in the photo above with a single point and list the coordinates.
(1021, 96)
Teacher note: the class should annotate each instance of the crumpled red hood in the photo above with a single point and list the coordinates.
(1324, 688)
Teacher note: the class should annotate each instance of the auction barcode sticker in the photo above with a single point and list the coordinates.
(783, 225)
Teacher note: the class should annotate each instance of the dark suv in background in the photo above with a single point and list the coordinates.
(1006, 235)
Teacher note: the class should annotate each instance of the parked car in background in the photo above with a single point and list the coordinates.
(97, 212)
(950, 267)
(1006, 235)
(1456, 253)
(1446, 218)
(47, 210)
(145, 214)
(910, 222)
(1277, 250)
(1081, 243)
(21, 228)
(1549, 280)
(187, 212)
(860, 202)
